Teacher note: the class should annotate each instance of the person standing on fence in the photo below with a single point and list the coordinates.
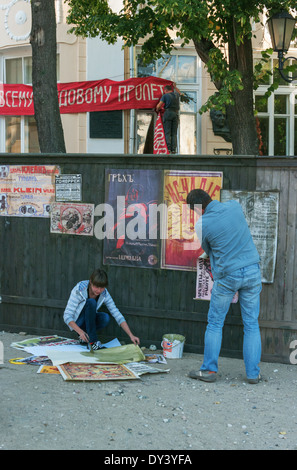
(170, 103)
(225, 237)
(83, 315)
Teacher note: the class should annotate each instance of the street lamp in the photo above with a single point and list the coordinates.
(281, 27)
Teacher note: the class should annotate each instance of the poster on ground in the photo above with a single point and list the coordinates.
(96, 372)
(27, 190)
(261, 210)
(180, 245)
(129, 219)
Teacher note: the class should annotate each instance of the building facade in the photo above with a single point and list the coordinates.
(130, 131)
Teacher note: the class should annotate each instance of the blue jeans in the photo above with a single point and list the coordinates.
(170, 123)
(247, 281)
(90, 320)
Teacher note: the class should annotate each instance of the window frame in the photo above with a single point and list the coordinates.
(290, 91)
(25, 55)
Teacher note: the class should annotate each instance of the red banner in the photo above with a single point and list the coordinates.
(160, 146)
(81, 97)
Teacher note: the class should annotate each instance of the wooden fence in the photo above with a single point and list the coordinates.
(39, 269)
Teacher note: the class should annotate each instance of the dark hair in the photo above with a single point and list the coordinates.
(168, 88)
(99, 278)
(198, 196)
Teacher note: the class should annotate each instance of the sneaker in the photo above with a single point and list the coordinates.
(95, 346)
(204, 375)
(254, 381)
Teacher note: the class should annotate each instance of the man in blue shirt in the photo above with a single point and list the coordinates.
(225, 237)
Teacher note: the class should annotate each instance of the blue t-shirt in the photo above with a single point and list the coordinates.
(171, 101)
(226, 238)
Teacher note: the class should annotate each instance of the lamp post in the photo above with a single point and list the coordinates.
(281, 27)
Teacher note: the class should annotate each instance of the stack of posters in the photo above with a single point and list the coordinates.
(75, 362)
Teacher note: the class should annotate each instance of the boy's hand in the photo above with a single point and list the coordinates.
(134, 339)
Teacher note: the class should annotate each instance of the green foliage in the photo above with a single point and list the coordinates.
(211, 24)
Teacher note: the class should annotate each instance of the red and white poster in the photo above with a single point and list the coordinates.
(81, 97)
(72, 219)
(160, 146)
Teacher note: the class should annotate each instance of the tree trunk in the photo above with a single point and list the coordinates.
(44, 77)
(241, 118)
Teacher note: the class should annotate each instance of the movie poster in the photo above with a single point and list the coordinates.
(129, 219)
(27, 190)
(261, 212)
(180, 245)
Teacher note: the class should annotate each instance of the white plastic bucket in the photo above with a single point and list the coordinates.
(173, 346)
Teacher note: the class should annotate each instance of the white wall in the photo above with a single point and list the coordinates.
(104, 61)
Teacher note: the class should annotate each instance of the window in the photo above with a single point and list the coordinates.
(182, 69)
(277, 117)
(20, 131)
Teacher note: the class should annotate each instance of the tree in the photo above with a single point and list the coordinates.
(212, 25)
(44, 77)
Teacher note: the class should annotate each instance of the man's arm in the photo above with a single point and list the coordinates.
(160, 105)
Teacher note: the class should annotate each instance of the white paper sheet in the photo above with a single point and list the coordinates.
(42, 350)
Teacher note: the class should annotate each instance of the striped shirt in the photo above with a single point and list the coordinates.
(78, 298)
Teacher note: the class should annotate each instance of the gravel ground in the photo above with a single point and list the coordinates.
(158, 412)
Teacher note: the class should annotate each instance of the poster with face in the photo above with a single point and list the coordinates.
(130, 226)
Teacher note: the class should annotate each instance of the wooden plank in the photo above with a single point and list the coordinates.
(290, 285)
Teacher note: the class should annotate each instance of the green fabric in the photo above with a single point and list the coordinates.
(118, 355)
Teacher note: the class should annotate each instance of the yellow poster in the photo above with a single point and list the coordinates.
(181, 246)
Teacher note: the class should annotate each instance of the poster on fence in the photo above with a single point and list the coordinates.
(27, 190)
(180, 246)
(68, 188)
(261, 212)
(130, 226)
(72, 218)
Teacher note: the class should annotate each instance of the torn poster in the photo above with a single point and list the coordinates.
(261, 210)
